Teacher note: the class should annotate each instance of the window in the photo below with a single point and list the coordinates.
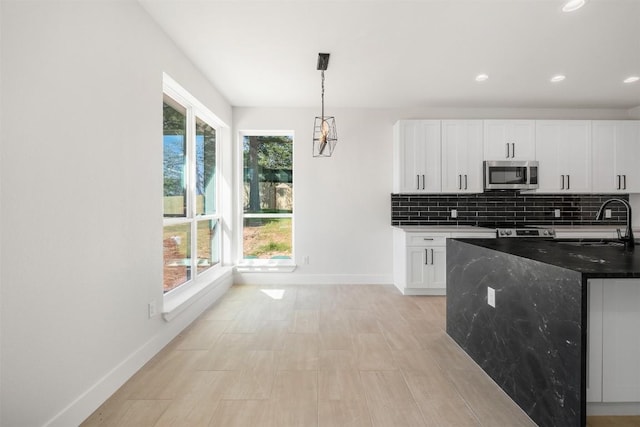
(191, 238)
(267, 199)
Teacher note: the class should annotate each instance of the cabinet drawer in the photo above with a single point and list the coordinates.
(426, 240)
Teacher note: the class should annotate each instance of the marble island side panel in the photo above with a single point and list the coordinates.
(531, 343)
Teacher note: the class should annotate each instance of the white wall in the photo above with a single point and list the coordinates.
(81, 201)
(342, 203)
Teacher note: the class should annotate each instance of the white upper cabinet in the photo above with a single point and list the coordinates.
(563, 149)
(616, 152)
(416, 156)
(509, 140)
(462, 156)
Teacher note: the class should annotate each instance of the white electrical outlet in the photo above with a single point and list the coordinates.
(491, 297)
(607, 213)
(556, 213)
(152, 309)
(454, 213)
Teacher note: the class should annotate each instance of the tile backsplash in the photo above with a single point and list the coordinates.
(503, 207)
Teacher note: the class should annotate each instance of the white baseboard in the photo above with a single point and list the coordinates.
(91, 399)
(620, 409)
(423, 291)
(261, 279)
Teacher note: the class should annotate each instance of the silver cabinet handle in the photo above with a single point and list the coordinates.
(568, 182)
(619, 182)
(624, 179)
(513, 149)
(459, 182)
(423, 182)
(507, 144)
(465, 182)
(431, 256)
(418, 183)
(427, 238)
(426, 257)
(562, 176)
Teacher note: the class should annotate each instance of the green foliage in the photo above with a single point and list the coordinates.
(174, 127)
(273, 152)
(272, 247)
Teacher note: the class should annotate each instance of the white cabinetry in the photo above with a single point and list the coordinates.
(420, 262)
(416, 156)
(621, 340)
(427, 266)
(509, 140)
(613, 361)
(616, 150)
(563, 149)
(462, 156)
(420, 259)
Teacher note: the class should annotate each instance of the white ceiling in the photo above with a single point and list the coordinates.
(421, 53)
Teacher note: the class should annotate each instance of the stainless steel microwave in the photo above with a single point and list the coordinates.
(510, 175)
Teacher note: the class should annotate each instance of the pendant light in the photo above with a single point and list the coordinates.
(325, 137)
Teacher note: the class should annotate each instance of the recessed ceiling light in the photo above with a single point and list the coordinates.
(481, 77)
(558, 78)
(573, 5)
(631, 79)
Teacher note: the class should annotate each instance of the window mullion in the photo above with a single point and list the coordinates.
(191, 186)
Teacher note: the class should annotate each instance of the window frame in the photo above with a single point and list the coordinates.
(262, 265)
(195, 110)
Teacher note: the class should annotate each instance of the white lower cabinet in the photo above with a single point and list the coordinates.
(613, 361)
(426, 267)
(420, 260)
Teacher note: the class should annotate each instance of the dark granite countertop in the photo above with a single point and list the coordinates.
(591, 261)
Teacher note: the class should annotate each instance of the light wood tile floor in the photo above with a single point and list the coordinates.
(313, 356)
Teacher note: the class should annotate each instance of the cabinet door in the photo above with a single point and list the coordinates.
(621, 340)
(509, 140)
(427, 267)
(417, 268)
(462, 156)
(437, 271)
(594, 341)
(417, 156)
(603, 156)
(616, 149)
(563, 149)
(628, 155)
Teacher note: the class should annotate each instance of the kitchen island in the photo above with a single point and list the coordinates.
(519, 308)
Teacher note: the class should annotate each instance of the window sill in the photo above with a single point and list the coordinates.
(266, 266)
(174, 304)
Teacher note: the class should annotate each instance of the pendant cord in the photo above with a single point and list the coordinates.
(322, 113)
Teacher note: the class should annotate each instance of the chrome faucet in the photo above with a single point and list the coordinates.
(628, 237)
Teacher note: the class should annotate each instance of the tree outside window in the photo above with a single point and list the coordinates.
(267, 197)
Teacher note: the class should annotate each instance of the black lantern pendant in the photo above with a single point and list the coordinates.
(325, 137)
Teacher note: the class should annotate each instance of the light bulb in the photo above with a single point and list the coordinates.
(324, 135)
(573, 5)
(325, 131)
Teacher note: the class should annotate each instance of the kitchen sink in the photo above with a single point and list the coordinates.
(592, 243)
